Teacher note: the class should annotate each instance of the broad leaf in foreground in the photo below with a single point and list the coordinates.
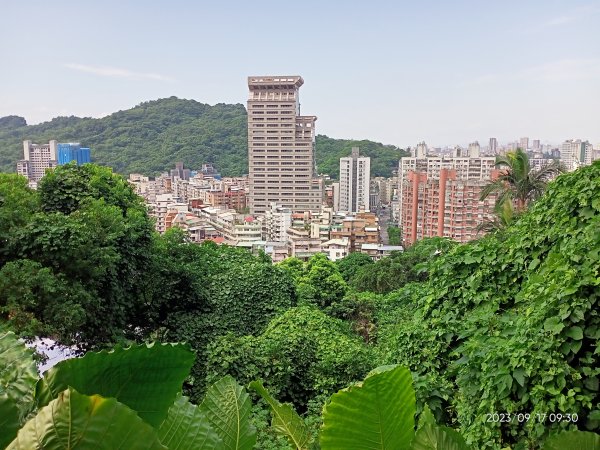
(146, 377)
(227, 407)
(18, 373)
(433, 437)
(286, 421)
(377, 414)
(187, 428)
(9, 420)
(79, 422)
(573, 440)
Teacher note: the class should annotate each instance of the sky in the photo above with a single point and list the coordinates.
(397, 72)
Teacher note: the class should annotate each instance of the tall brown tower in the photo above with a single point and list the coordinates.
(281, 147)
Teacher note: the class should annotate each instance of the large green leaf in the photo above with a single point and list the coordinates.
(18, 373)
(227, 406)
(147, 378)
(187, 428)
(376, 414)
(9, 420)
(76, 421)
(573, 440)
(433, 437)
(286, 421)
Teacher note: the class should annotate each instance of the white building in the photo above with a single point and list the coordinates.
(276, 222)
(355, 181)
(576, 153)
(36, 159)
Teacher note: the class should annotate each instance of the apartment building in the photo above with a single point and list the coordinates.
(355, 182)
(363, 228)
(576, 153)
(281, 147)
(439, 196)
(276, 222)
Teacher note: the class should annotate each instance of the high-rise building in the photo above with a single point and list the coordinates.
(576, 153)
(355, 182)
(524, 143)
(536, 145)
(439, 196)
(493, 146)
(281, 147)
(73, 152)
(36, 159)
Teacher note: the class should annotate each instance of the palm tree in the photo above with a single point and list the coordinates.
(504, 215)
(517, 183)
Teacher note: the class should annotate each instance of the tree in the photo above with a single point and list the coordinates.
(351, 264)
(321, 284)
(17, 204)
(517, 182)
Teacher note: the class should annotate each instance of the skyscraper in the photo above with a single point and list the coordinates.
(524, 143)
(493, 145)
(36, 159)
(281, 147)
(355, 181)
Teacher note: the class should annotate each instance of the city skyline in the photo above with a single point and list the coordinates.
(394, 73)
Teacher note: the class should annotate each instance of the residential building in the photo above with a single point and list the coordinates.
(73, 152)
(448, 205)
(378, 251)
(355, 182)
(524, 143)
(363, 228)
(301, 245)
(276, 222)
(439, 196)
(227, 197)
(576, 153)
(277, 251)
(36, 159)
(281, 147)
(336, 249)
(536, 147)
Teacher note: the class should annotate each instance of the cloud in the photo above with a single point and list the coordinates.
(114, 72)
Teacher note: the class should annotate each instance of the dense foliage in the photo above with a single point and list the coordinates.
(506, 325)
(151, 137)
(400, 268)
(510, 320)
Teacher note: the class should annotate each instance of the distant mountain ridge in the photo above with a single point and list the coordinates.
(150, 137)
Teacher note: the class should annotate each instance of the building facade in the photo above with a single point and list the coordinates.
(355, 182)
(36, 159)
(281, 147)
(73, 152)
(576, 153)
(439, 196)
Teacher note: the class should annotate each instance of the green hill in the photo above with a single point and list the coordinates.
(152, 136)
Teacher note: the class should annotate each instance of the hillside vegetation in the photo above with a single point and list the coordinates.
(500, 334)
(152, 136)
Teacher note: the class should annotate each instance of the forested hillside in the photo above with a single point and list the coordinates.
(154, 135)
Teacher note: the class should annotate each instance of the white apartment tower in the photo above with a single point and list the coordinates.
(36, 159)
(355, 182)
(576, 153)
(281, 147)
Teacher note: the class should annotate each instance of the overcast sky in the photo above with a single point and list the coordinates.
(398, 72)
